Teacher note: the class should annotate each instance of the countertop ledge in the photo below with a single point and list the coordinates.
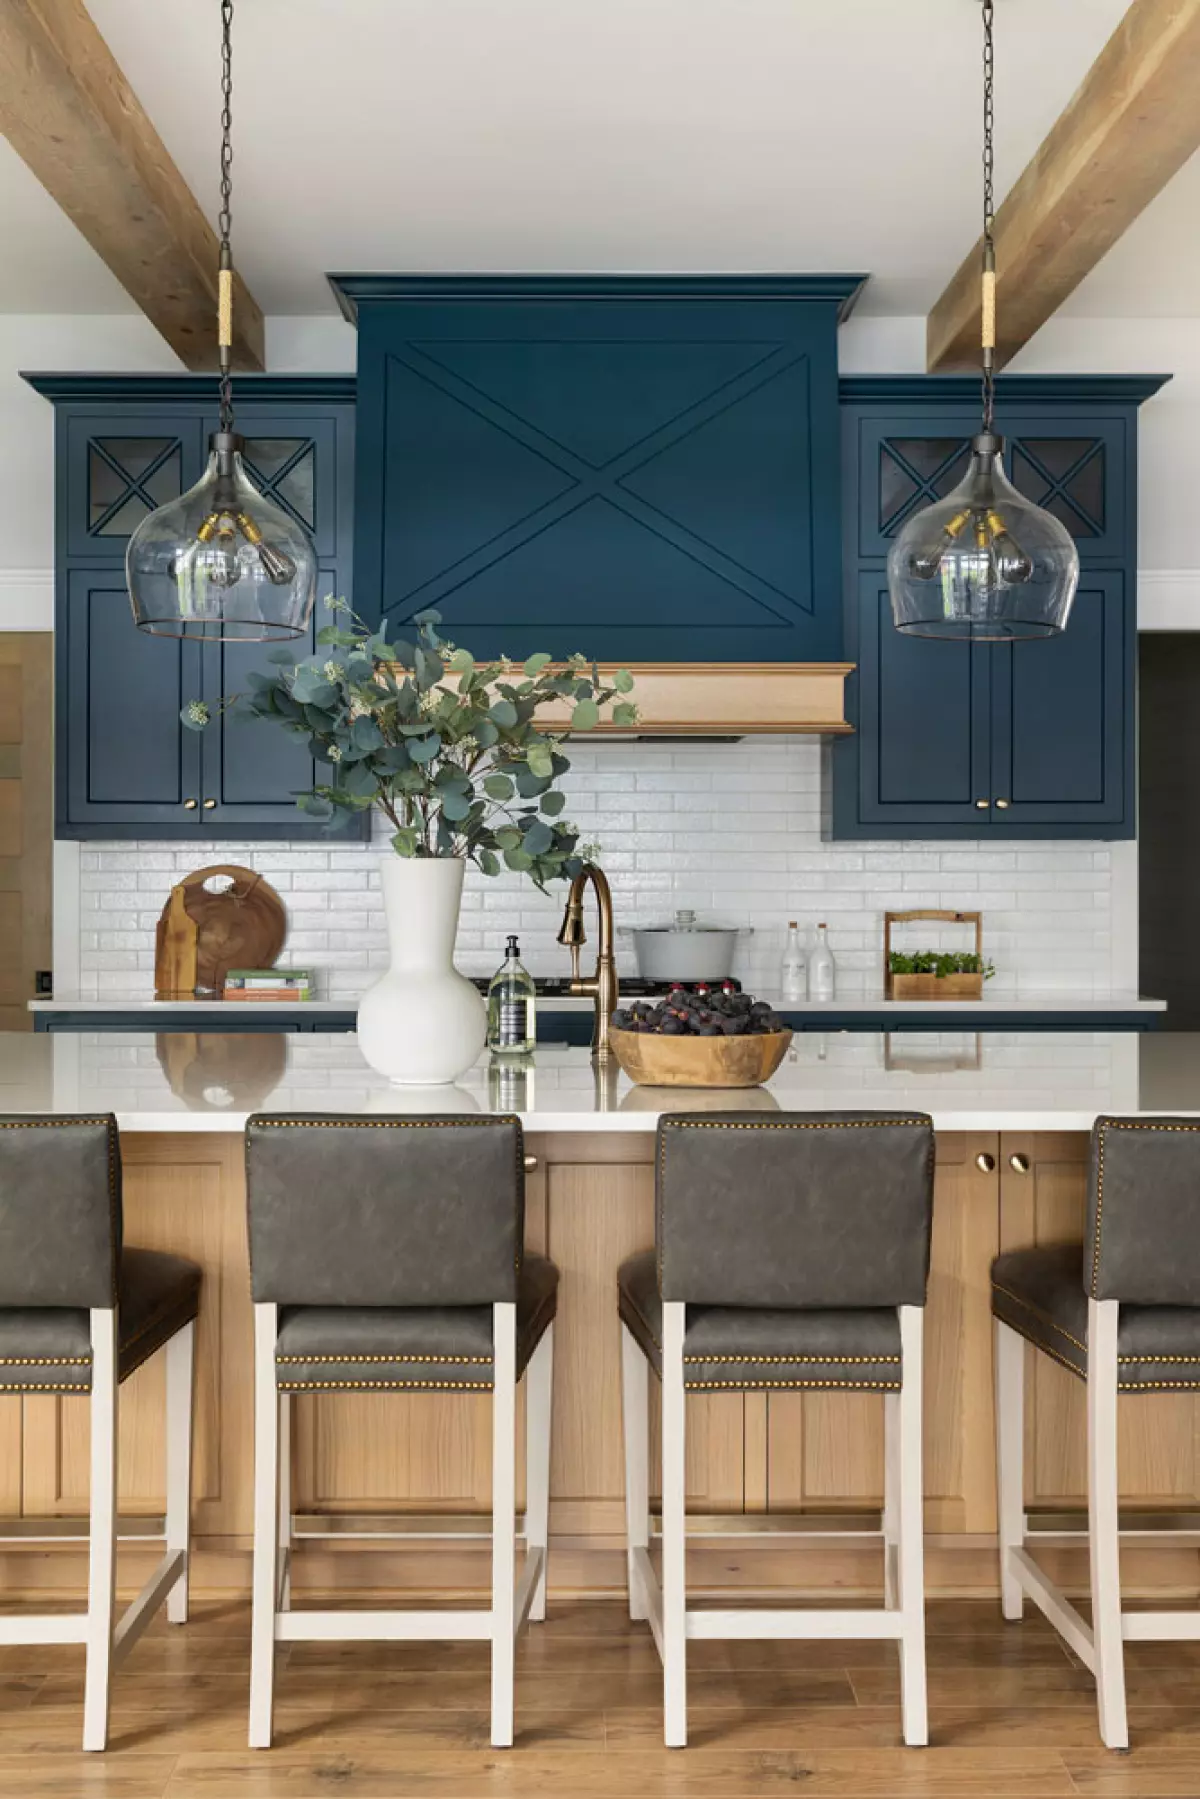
(1000, 1081)
(1045, 1005)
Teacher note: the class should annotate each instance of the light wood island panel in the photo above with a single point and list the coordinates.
(590, 1203)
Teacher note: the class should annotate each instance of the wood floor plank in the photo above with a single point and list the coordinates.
(668, 1774)
(79, 1776)
(1145, 1773)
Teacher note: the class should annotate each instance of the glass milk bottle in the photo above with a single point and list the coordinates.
(791, 969)
(821, 968)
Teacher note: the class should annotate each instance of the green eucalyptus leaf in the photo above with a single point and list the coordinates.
(488, 862)
(530, 784)
(498, 787)
(586, 716)
(315, 805)
(535, 664)
(424, 749)
(624, 715)
(553, 803)
(518, 860)
(365, 734)
(427, 667)
(504, 714)
(485, 733)
(508, 837)
(404, 842)
(622, 681)
(455, 806)
(538, 838)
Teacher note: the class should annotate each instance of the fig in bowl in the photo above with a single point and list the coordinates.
(699, 1039)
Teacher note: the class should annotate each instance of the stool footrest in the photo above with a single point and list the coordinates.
(1053, 1604)
(43, 1627)
(1160, 1627)
(382, 1627)
(757, 1624)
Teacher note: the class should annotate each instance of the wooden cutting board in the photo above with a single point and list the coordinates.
(202, 935)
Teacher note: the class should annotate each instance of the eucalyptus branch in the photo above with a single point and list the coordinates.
(448, 749)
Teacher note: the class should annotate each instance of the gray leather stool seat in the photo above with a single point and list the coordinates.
(745, 1348)
(1040, 1293)
(390, 1348)
(48, 1349)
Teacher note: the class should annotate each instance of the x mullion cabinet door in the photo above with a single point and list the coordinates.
(118, 467)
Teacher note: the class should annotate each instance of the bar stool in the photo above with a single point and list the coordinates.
(386, 1256)
(792, 1252)
(78, 1313)
(1121, 1311)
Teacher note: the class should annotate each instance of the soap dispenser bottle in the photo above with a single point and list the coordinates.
(511, 1006)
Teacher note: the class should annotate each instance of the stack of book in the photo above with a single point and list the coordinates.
(271, 984)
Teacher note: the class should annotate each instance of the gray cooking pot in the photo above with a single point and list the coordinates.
(684, 950)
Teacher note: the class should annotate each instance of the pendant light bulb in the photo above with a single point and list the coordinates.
(222, 561)
(984, 563)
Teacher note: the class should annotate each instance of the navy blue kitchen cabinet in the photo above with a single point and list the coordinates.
(126, 767)
(637, 468)
(1017, 740)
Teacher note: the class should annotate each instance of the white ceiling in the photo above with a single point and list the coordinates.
(626, 134)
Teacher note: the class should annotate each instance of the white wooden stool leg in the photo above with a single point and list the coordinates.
(539, 1390)
(635, 1392)
(912, 1529)
(180, 1385)
(674, 1525)
(285, 1501)
(891, 1500)
(266, 1524)
(1010, 1460)
(504, 1499)
(102, 1529)
(1103, 1540)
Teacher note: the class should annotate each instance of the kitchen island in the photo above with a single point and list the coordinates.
(1012, 1112)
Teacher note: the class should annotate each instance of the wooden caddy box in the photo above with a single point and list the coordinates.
(931, 986)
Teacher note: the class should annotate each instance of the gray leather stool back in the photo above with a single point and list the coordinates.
(385, 1211)
(60, 1211)
(1143, 1238)
(802, 1210)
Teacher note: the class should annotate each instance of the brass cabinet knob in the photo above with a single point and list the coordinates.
(982, 805)
(209, 805)
(1019, 1163)
(1002, 805)
(984, 1162)
(189, 805)
(531, 1163)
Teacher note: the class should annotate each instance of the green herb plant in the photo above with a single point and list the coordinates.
(448, 749)
(929, 961)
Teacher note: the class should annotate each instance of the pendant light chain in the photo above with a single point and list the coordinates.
(225, 219)
(988, 296)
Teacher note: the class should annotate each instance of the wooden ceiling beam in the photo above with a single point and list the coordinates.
(1130, 126)
(72, 117)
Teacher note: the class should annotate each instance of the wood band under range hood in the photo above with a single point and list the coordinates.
(727, 699)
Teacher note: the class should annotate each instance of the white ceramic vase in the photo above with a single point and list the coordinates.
(423, 1024)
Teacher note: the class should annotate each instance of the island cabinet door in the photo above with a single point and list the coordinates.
(1043, 1184)
(825, 1450)
(185, 1194)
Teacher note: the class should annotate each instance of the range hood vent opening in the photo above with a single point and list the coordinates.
(706, 702)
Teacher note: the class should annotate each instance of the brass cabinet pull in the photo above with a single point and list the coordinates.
(984, 1162)
(531, 1163)
(1002, 805)
(209, 804)
(1019, 1163)
(189, 805)
(982, 805)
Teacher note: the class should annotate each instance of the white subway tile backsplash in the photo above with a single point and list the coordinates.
(732, 830)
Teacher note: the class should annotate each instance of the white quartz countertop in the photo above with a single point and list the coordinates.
(1041, 1004)
(967, 1080)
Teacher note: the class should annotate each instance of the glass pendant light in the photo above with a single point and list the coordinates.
(984, 564)
(222, 562)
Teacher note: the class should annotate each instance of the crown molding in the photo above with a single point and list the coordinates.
(353, 290)
(63, 386)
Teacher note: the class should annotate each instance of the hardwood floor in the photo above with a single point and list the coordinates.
(1012, 1716)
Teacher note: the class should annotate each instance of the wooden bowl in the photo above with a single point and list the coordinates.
(652, 1060)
